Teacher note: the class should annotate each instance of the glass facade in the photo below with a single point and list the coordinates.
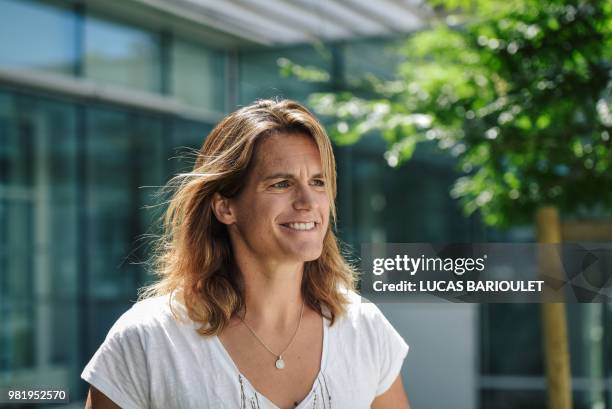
(358, 57)
(122, 55)
(75, 183)
(46, 42)
(77, 174)
(124, 162)
(513, 331)
(38, 225)
(259, 72)
(75, 177)
(187, 138)
(66, 38)
(196, 75)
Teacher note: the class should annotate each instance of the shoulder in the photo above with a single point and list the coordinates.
(365, 322)
(365, 331)
(360, 313)
(120, 368)
(146, 316)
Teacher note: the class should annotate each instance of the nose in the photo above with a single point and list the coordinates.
(304, 197)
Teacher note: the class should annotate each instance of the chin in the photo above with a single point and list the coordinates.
(313, 258)
(313, 255)
(304, 255)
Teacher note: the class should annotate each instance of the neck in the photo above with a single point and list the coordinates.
(273, 295)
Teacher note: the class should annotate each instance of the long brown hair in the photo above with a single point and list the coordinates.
(193, 255)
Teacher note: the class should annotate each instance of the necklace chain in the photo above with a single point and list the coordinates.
(279, 356)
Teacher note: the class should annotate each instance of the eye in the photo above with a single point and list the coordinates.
(280, 185)
(319, 182)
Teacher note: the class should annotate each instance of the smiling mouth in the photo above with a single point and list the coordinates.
(300, 226)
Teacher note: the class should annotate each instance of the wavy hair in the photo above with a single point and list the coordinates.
(193, 255)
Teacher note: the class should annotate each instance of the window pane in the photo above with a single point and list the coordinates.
(380, 209)
(512, 399)
(511, 340)
(38, 224)
(122, 55)
(260, 75)
(379, 57)
(198, 75)
(532, 399)
(36, 35)
(124, 153)
(187, 139)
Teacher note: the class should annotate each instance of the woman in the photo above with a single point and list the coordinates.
(255, 306)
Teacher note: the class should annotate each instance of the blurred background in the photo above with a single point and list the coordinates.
(100, 102)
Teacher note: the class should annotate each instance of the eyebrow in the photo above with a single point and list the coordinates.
(288, 176)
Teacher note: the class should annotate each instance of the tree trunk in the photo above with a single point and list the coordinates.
(554, 323)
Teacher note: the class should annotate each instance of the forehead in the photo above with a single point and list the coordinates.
(286, 151)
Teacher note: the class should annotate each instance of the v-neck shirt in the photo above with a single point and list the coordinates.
(150, 359)
(250, 394)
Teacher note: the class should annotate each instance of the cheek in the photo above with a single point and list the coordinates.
(325, 209)
(263, 210)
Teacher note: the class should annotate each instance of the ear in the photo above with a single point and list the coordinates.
(222, 209)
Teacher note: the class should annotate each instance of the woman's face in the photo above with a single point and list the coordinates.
(282, 213)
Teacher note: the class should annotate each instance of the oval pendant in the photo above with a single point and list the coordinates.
(280, 364)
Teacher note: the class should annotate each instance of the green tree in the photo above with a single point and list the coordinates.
(520, 92)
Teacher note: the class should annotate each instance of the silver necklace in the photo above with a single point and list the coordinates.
(280, 363)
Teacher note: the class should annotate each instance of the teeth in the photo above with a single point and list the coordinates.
(301, 226)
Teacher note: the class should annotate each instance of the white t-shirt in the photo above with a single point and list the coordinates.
(151, 360)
